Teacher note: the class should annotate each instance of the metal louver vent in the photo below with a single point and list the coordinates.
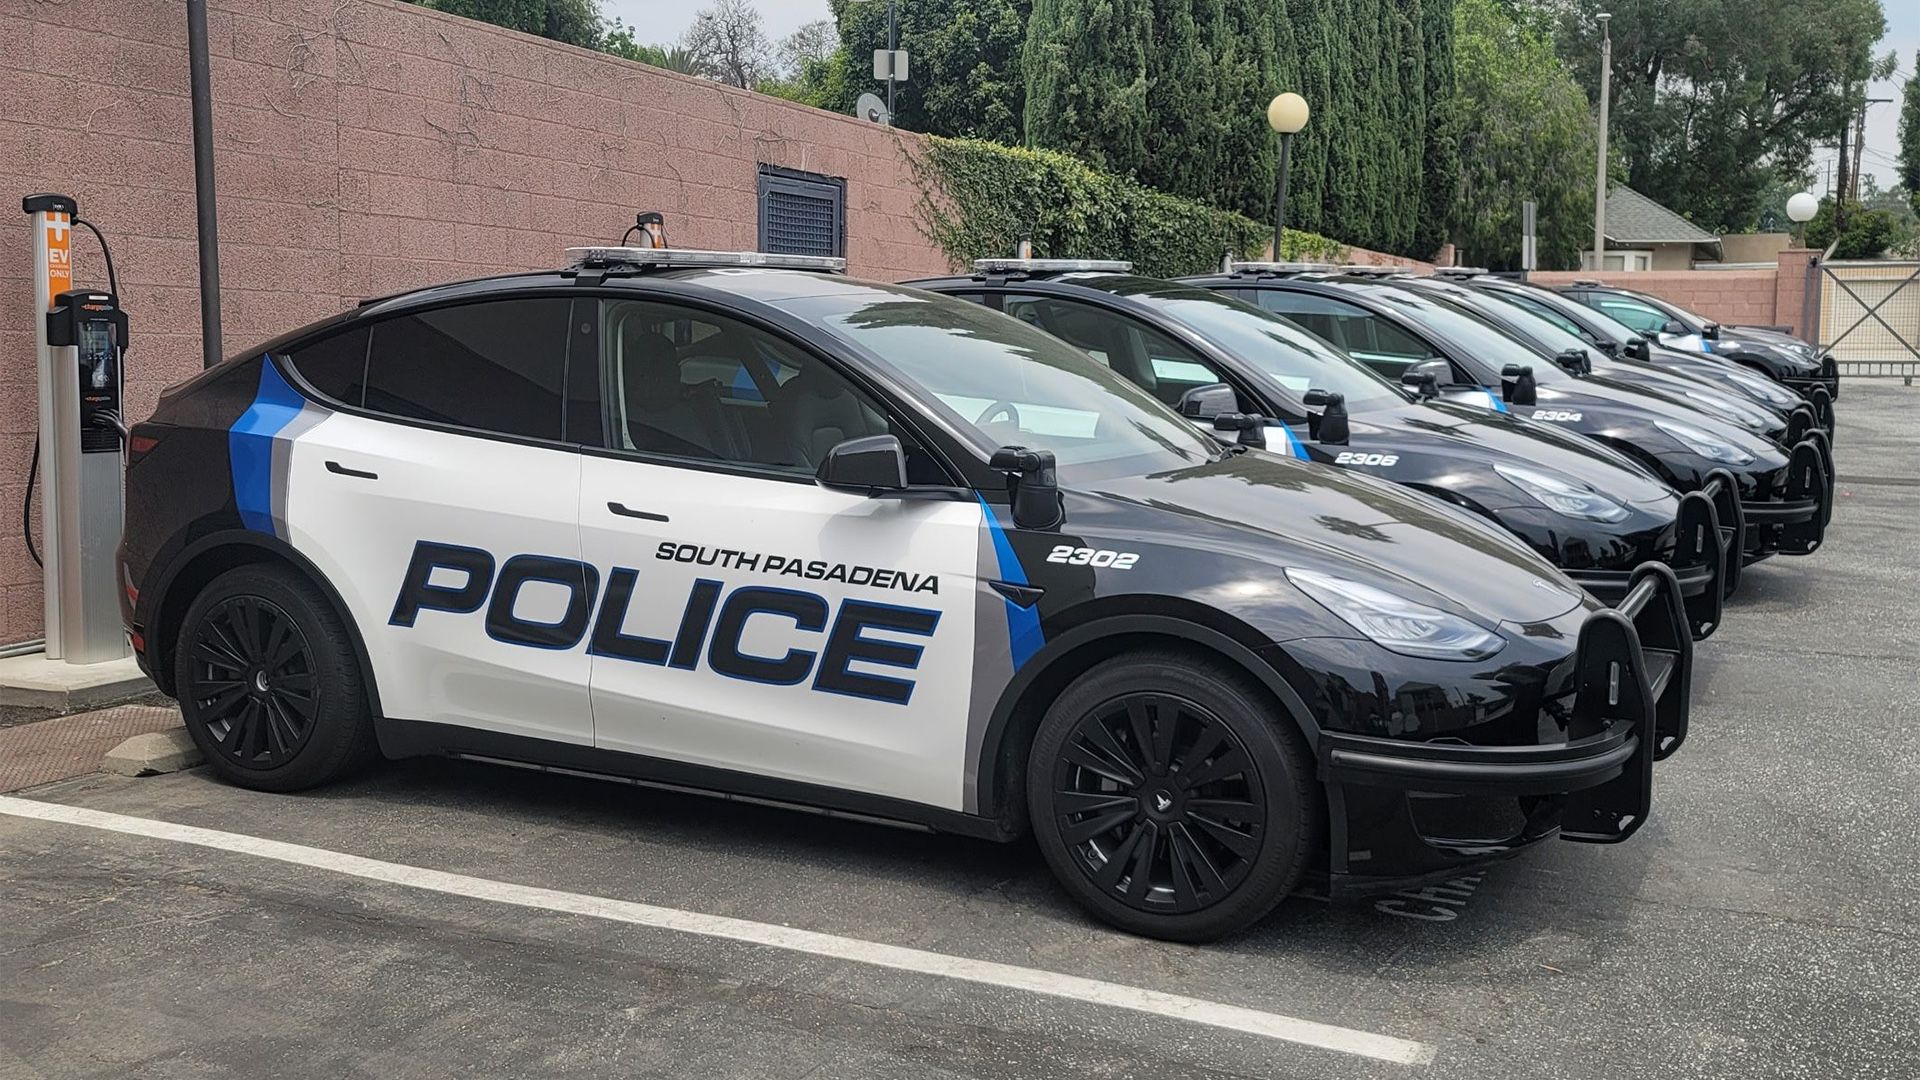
(801, 213)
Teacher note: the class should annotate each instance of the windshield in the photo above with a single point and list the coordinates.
(1006, 383)
(1292, 356)
(1535, 327)
(1484, 344)
(1569, 316)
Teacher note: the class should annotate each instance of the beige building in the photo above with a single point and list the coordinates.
(1643, 235)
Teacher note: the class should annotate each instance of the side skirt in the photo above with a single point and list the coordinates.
(419, 738)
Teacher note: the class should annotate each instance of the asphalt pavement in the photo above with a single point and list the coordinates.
(439, 918)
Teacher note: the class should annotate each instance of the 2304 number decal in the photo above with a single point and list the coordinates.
(1556, 414)
(1079, 556)
(1348, 457)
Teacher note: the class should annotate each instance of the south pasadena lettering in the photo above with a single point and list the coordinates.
(806, 569)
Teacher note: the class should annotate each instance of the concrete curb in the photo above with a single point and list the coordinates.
(37, 682)
(154, 753)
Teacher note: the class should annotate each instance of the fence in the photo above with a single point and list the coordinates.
(1870, 318)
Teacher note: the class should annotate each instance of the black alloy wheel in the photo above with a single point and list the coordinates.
(253, 682)
(270, 682)
(1172, 795)
(1159, 803)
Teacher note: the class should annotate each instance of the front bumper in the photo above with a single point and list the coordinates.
(1403, 811)
(1827, 378)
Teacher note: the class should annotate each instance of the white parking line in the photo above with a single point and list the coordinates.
(1053, 984)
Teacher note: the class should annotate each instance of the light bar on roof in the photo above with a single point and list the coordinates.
(1460, 271)
(1280, 268)
(1001, 266)
(1367, 270)
(636, 256)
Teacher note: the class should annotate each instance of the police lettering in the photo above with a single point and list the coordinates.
(808, 569)
(712, 623)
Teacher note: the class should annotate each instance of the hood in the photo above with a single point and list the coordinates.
(1288, 513)
(1470, 440)
(1694, 392)
(1628, 402)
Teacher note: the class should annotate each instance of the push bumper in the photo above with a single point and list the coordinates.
(1796, 523)
(1828, 379)
(1424, 809)
(1705, 559)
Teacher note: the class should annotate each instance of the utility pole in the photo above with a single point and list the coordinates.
(1840, 163)
(893, 46)
(1860, 142)
(1600, 171)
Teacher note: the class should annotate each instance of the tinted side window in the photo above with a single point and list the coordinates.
(689, 384)
(1365, 336)
(1632, 312)
(336, 366)
(496, 366)
(1142, 355)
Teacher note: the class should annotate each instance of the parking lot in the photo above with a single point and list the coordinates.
(515, 923)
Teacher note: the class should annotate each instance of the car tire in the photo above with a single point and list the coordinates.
(269, 683)
(1113, 770)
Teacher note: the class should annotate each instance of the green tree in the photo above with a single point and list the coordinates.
(1712, 98)
(1440, 152)
(1086, 68)
(576, 22)
(619, 41)
(1524, 134)
(1910, 135)
(1866, 233)
(965, 78)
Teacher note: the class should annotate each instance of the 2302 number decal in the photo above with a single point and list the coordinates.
(1555, 414)
(1348, 457)
(1079, 556)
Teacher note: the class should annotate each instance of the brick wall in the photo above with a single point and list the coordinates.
(365, 147)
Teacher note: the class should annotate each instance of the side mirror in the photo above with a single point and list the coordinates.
(1679, 329)
(1252, 428)
(1440, 370)
(1640, 349)
(1712, 332)
(1207, 402)
(1329, 425)
(1420, 382)
(1517, 386)
(1611, 348)
(1034, 484)
(1574, 362)
(873, 465)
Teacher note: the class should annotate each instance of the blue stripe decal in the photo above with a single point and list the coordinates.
(250, 446)
(1293, 442)
(1024, 635)
(1493, 401)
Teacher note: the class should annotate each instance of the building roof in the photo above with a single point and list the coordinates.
(1634, 219)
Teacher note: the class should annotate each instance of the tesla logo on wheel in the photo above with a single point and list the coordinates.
(1162, 802)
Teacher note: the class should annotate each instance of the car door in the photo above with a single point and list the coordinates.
(754, 621)
(440, 499)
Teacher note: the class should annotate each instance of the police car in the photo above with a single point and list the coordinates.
(1785, 491)
(1616, 340)
(735, 522)
(1594, 513)
(1773, 353)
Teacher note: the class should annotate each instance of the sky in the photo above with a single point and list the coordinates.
(663, 21)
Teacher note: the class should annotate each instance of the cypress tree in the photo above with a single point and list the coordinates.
(1086, 67)
(1440, 173)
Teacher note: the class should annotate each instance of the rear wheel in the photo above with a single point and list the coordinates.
(1169, 799)
(268, 682)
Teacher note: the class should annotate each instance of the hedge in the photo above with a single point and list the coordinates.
(980, 199)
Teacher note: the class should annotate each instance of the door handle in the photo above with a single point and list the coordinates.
(627, 511)
(338, 469)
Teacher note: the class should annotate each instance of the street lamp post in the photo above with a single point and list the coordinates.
(1800, 209)
(1286, 114)
(1600, 172)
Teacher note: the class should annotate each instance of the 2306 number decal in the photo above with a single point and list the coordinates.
(1348, 457)
(1079, 556)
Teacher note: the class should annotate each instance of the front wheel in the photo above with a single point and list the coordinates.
(268, 682)
(1169, 798)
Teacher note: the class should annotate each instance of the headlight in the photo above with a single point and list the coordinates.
(1396, 623)
(1563, 496)
(1707, 446)
(1728, 409)
(1764, 389)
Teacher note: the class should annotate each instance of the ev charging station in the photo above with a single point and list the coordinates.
(82, 338)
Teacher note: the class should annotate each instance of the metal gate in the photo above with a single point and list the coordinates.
(1869, 318)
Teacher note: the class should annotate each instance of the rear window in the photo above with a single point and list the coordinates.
(498, 366)
(335, 366)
